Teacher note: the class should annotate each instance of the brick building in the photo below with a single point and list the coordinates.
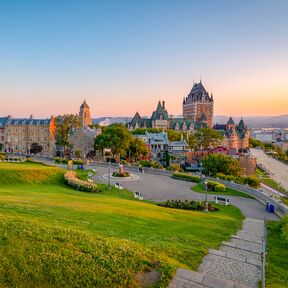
(236, 137)
(17, 134)
(198, 103)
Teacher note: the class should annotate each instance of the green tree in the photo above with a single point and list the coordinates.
(219, 163)
(142, 131)
(35, 148)
(115, 137)
(174, 135)
(136, 149)
(207, 138)
(64, 126)
(255, 143)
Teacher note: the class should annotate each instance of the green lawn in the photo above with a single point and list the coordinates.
(54, 236)
(199, 188)
(277, 256)
(266, 179)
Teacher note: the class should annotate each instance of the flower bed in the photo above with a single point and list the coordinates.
(70, 178)
(117, 174)
(187, 205)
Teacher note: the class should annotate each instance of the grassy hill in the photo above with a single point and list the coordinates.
(54, 236)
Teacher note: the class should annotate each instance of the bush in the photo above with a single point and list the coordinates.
(250, 180)
(153, 164)
(70, 178)
(186, 177)
(215, 186)
(187, 205)
(59, 160)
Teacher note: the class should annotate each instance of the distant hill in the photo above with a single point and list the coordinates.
(251, 121)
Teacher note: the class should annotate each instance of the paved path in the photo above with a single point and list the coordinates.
(278, 170)
(237, 263)
(160, 188)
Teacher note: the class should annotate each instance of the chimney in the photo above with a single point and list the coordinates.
(163, 104)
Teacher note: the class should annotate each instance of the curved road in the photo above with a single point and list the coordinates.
(278, 170)
(160, 188)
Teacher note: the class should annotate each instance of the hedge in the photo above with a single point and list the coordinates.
(65, 161)
(250, 180)
(70, 178)
(187, 205)
(186, 177)
(215, 186)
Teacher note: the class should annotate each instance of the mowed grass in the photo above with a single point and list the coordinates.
(231, 192)
(277, 256)
(54, 236)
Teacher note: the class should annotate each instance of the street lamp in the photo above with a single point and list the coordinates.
(206, 198)
(109, 179)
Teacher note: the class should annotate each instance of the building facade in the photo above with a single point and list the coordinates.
(160, 119)
(197, 103)
(236, 137)
(17, 135)
(82, 140)
(84, 114)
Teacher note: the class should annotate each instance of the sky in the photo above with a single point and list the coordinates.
(125, 56)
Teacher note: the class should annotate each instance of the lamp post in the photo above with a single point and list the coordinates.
(206, 197)
(109, 179)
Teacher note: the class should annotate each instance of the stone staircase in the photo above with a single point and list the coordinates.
(236, 265)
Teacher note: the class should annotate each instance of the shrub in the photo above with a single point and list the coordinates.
(59, 160)
(153, 164)
(187, 205)
(186, 177)
(215, 186)
(250, 180)
(70, 178)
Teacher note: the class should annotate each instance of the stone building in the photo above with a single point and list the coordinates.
(17, 134)
(160, 119)
(236, 137)
(197, 103)
(82, 140)
(84, 114)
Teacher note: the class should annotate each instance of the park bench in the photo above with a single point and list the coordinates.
(221, 200)
(118, 186)
(138, 195)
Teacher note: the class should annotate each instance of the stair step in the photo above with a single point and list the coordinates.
(190, 279)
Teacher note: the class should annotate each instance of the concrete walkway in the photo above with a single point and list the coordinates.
(237, 263)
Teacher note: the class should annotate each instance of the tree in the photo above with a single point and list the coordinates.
(116, 137)
(219, 163)
(35, 148)
(64, 126)
(1, 146)
(207, 138)
(174, 135)
(142, 131)
(136, 149)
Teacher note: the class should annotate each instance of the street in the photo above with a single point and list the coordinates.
(278, 170)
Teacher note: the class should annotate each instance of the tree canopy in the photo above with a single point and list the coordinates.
(219, 163)
(64, 126)
(205, 138)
